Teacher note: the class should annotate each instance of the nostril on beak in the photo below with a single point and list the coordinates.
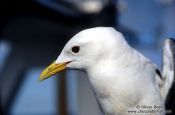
(50, 68)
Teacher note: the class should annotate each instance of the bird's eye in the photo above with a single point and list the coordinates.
(75, 49)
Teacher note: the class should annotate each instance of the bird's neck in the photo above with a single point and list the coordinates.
(117, 83)
(107, 86)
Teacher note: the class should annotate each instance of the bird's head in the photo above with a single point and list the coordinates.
(85, 49)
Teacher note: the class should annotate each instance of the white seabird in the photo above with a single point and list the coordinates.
(122, 78)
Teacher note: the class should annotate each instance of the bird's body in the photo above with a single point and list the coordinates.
(120, 87)
(121, 78)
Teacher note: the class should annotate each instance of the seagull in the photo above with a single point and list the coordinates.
(122, 79)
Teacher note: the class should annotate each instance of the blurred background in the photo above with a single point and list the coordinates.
(33, 32)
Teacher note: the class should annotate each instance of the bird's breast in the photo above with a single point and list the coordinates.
(109, 105)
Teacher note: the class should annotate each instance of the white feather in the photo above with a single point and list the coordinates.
(120, 76)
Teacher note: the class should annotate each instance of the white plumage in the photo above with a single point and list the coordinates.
(121, 77)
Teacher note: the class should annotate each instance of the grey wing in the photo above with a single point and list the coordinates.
(168, 74)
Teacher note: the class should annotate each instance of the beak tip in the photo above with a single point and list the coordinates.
(41, 78)
(51, 70)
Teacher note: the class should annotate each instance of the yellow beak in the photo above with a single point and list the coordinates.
(52, 69)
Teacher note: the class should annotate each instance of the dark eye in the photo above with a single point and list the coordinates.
(75, 49)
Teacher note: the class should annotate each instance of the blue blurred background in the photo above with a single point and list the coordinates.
(33, 32)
